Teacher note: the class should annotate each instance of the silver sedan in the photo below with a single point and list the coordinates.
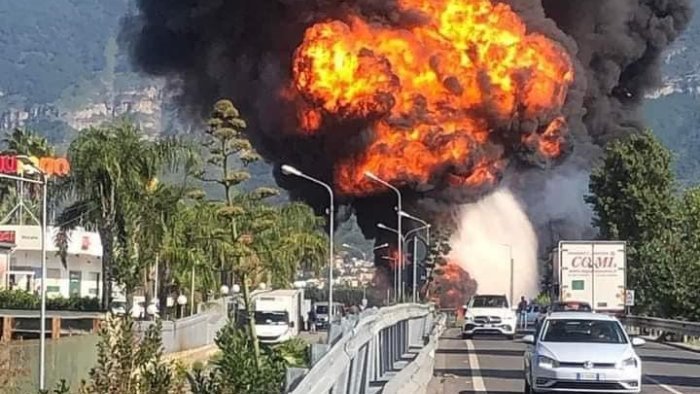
(582, 352)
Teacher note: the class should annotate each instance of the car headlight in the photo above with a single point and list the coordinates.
(511, 317)
(469, 318)
(547, 362)
(629, 363)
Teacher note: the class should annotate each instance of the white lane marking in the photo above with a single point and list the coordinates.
(477, 380)
(663, 386)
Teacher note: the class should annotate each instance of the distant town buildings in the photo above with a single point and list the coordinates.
(349, 272)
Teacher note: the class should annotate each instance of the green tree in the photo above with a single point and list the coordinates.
(438, 250)
(229, 152)
(632, 191)
(26, 142)
(129, 365)
(234, 370)
(258, 242)
(109, 165)
(634, 199)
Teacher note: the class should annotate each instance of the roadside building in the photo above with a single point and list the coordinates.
(20, 262)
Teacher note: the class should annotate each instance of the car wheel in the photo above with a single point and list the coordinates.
(510, 337)
(466, 336)
(528, 389)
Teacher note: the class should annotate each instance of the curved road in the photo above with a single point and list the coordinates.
(495, 365)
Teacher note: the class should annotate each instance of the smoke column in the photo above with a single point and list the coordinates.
(488, 231)
(249, 51)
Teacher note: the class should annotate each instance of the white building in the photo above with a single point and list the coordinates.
(20, 262)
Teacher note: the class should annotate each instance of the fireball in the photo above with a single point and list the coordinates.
(435, 95)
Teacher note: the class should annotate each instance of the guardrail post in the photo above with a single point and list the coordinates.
(7, 322)
(55, 327)
(359, 370)
(375, 357)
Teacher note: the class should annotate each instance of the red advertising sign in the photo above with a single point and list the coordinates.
(51, 166)
(7, 236)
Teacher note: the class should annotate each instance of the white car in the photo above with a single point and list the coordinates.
(582, 352)
(489, 314)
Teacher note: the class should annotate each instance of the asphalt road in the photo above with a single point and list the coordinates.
(495, 365)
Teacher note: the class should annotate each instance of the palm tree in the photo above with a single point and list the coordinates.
(23, 142)
(111, 165)
(293, 242)
(26, 142)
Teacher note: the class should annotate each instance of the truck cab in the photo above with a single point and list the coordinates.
(321, 312)
(277, 315)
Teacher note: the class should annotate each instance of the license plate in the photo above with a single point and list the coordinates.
(588, 376)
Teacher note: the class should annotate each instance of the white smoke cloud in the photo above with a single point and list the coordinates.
(488, 230)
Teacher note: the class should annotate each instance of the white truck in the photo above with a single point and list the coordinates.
(322, 316)
(278, 314)
(592, 272)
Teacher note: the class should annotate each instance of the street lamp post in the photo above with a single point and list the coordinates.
(42, 314)
(415, 252)
(355, 248)
(398, 214)
(510, 254)
(382, 246)
(415, 259)
(289, 170)
(425, 224)
(397, 281)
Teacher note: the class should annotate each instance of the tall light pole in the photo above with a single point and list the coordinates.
(398, 217)
(42, 314)
(510, 254)
(415, 258)
(425, 224)
(289, 170)
(398, 280)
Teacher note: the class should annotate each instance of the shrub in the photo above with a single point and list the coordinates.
(18, 299)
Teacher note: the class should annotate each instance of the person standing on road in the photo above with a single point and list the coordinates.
(522, 312)
(312, 319)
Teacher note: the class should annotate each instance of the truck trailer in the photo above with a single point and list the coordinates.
(592, 272)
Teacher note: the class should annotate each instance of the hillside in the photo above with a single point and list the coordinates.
(49, 45)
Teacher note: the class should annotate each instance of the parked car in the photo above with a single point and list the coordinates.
(489, 314)
(580, 351)
(532, 313)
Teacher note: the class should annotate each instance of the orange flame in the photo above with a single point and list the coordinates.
(435, 92)
(454, 287)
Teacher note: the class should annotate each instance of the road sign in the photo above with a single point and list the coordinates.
(629, 297)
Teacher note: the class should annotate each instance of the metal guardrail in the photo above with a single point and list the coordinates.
(677, 327)
(366, 354)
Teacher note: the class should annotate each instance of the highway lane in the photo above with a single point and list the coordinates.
(495, 365)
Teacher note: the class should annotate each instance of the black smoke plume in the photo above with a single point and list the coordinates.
(242, 49)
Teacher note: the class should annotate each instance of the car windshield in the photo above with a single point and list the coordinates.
(583, 331)
(322, 309)
(489, 302)
(571, 307)
(271, 318)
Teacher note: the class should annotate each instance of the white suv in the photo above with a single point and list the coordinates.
(489, 314)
